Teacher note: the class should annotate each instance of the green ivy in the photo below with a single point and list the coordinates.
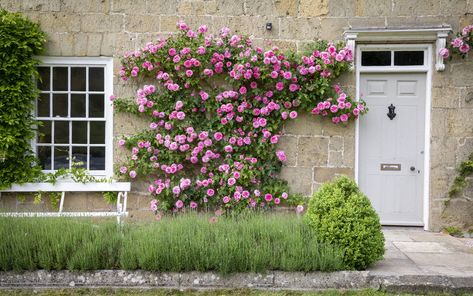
(21, 40)
(464, 170)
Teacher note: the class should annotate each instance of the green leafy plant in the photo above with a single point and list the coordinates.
(110, 197)
(341, 215)
(189, 242)
(21, 39)
(464, 170)
(453, 231)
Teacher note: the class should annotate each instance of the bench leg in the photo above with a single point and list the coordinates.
(61, 203)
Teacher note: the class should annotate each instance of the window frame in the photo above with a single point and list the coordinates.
(107, 64)
(392, 48)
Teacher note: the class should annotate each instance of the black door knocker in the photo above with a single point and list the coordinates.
(391, 113)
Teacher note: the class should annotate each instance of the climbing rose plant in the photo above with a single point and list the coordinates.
(461, 44)
(216, 107)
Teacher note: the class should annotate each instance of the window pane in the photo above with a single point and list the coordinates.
(77, 105)
(44, 155)
(97, 132)
(79, 132)
(44, 132)
(78, 79)
(61, 157)
(44, 76)
(96, 106)
(96, 77)
(97, 158)
(43, 105)
(79, 156)
(61, 132)
(376, 58)
(60, 77)
(60, 105)
(408, 58)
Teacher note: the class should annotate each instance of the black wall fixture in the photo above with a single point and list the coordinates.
(391, 113)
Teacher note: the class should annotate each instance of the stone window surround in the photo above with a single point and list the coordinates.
(401, 35)
(107, 63)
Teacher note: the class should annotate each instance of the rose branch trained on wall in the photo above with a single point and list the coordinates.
(216, 115)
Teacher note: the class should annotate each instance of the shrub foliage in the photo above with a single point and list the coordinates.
(21, 39)
(342, 215)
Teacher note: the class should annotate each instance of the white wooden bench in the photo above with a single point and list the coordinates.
(68, 186)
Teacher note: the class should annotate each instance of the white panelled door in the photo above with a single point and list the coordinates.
(391, 145)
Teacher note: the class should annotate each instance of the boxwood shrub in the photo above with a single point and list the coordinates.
(342, 215)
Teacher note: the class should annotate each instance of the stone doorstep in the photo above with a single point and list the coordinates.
(273, 280)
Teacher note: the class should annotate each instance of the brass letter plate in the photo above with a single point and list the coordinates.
(390, 166)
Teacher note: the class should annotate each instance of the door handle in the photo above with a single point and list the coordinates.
(412, 168)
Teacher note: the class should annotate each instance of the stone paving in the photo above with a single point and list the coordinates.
(413, 251)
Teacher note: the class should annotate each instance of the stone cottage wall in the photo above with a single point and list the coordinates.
(316, 149)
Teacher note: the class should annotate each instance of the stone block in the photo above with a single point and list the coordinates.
(335, 158)
(312, 151)
(331, 129)
(373, 8)
(305, 124)
(54, 43)
(459, 122)
(229, 7)
(117, 43)
(289, 145)
(310, 8)
(301, 28)
(66, 44)
(142, 23)
(11, 5)
(41, 5)
(335, 143)
(162, 7)
(99, 22)
(464, 149)
(80, 44)
(461, 74)
(349, 151)
(419, 7)
(94, 43)
(168, 23)
(333, 28)
(59, 22)
(85, 6)
(322, 175)
(446, 97)
(299, 179)
(129, 7)
(128, 124)
(416, 20)
(449, 7)
(346, 79)
(272, 8)
(442, 152)
(341, 8)
(256, 26)
(439, 125)
(361, 22)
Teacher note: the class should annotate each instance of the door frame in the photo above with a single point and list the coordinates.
(427, 68)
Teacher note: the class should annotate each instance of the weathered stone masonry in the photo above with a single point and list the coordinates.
(316, 149)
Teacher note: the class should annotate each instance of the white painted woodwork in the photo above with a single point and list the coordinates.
(397, 196)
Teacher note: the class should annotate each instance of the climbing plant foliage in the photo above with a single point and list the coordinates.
(216, 106)
(20, 40)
